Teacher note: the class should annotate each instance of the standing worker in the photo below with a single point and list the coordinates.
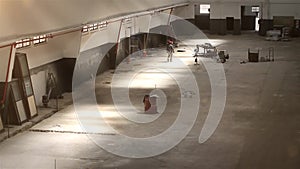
(170, 50)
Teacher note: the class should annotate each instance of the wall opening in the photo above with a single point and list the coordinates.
(256, 10)
(202, 16)
(229, 23)
(250, 18)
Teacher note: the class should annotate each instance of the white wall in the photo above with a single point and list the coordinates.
(39, 86)
(185, 12)
(108, 35)
(72, 44)
(223, 10)
(285, 10)
(143, 23)
(159, 19)
(56, 48)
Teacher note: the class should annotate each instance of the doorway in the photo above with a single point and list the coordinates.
(229, 23)
(202, 16)
(249, 17)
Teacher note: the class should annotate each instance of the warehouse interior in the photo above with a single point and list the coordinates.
(89, 84)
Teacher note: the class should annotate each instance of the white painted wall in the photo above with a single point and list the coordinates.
(223, 10)
(159, 19)
(72, 45)
(108, 35)
(39, 86)
(285, 10)
(143, 23)
(56, 48)
(185, 12)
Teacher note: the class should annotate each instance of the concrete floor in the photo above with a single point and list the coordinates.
(260, 127)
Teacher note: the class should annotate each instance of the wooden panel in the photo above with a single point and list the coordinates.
(32, 107)
(21, 71)
(21, 111)
(17, 112)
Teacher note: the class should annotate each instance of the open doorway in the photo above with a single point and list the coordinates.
(202, 16)
(256, 10)
(249, 18)
(229, 23)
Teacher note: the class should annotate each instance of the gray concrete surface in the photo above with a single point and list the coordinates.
(260, 127)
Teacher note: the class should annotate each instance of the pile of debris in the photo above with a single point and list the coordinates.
(282, 34)
(253, 55)
(210, 51)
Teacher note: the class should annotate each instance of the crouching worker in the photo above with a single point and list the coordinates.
(150, 104)
(146, 102)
